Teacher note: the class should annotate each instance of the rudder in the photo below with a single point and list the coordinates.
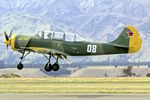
(129, 38)
(135, 41)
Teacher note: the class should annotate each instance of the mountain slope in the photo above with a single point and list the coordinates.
(99, 20)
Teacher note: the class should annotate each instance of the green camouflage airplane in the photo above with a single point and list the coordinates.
(61, 45)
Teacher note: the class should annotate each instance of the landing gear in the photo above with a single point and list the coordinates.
(49, 67)
(20, 65)
(55, 67)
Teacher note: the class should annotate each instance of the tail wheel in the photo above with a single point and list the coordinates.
(48, 67)
(55, 67)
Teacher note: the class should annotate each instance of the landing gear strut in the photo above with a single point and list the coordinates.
(20, 65)
(56, 65)
(49, 66)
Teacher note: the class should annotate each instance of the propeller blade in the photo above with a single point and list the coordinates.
(6, 36)
(6, 54)
(10, 33)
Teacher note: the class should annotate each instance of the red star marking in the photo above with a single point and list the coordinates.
(131, 33)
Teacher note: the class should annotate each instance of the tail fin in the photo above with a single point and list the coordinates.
(129, 38)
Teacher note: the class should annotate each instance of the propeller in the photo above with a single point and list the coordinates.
(10, 34)
(6, 36)
(7, 40)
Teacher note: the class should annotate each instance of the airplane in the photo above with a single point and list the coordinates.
(61, 44)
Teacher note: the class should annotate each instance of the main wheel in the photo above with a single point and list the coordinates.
(48, 67)
(20, 66)
(55, 67)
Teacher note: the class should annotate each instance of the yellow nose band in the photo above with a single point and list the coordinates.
(13, 41)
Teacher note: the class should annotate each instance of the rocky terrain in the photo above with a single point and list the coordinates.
(98, 20)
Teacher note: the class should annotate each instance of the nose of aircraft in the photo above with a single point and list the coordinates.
(7, 42)
(7, 39)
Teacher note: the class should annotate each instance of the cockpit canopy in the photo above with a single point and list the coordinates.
(59, 36)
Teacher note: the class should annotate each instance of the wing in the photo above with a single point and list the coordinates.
(60, 54)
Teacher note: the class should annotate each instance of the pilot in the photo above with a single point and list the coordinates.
(49, 35)
(42, 34)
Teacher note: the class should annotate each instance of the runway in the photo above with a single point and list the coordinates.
(74, 96)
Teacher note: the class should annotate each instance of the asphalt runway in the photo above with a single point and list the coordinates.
(75, 96)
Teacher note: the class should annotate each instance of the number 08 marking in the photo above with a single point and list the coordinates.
(91, 48)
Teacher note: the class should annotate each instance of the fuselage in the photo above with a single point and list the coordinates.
(60, 43)
(75, 48)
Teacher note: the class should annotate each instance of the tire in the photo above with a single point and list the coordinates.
(20, 66)
(55, 67)
(48, 67)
